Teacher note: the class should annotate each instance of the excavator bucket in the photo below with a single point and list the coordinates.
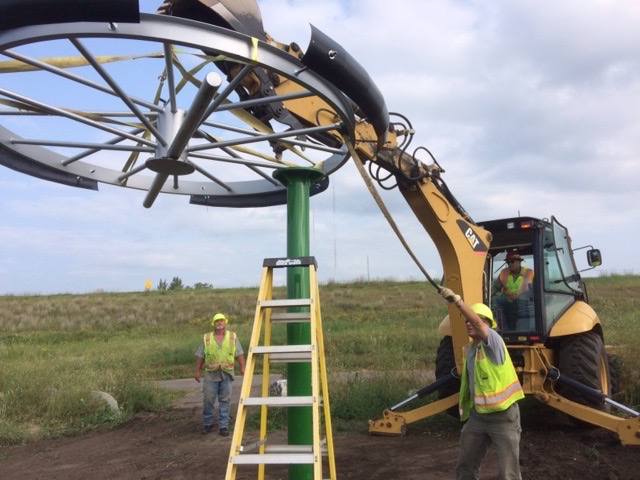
(243, 16)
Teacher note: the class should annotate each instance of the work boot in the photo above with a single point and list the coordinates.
(224, 432)
(206, 429)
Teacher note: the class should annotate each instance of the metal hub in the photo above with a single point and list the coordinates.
(169, 166)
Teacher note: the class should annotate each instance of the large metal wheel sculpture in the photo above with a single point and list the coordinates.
(155, 106)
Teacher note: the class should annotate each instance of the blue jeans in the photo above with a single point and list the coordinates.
(212, 389)
(481, 430)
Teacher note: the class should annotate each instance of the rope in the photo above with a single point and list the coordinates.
(386, 213)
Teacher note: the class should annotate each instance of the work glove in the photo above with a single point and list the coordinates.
(448, 295)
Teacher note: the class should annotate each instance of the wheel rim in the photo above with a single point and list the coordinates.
(158, 114)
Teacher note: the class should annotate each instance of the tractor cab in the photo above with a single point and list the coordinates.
(534, 259)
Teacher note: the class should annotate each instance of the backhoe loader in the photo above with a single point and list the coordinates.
(556, 340)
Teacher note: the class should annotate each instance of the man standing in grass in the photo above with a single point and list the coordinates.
(489, 391)
(217, 353)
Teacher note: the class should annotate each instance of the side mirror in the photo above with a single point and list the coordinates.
(594, 258)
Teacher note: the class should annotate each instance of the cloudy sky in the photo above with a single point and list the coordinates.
(530, 107)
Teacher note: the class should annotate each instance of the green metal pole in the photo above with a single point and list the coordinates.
(299, 419)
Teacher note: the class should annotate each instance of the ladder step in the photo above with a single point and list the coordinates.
(244, 449)
(293, 449)
(278, 401)
(281, 262)
(285, 302)
(281, 349)
(290, 317)
(285, 353)
(273, 458)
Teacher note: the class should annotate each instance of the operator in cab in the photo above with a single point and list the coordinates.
(511, 289)
(489, 391)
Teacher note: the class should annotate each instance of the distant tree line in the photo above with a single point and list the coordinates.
(176, 284)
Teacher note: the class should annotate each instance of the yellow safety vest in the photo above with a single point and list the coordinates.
(219, 356)
(496, 387)
(516, 285)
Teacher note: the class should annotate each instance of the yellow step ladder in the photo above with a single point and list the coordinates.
(269, 312)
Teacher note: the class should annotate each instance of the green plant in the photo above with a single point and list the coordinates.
(57, 349)
(176, 284)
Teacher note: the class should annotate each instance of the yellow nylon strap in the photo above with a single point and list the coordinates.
(383, 208)
(12, 66)
(254, 49)
(91, 116)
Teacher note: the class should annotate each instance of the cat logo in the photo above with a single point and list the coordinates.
(476, 243)
(472, 237)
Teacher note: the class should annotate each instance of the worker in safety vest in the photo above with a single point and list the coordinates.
(512, 287)
(489, 391)
(217, 353)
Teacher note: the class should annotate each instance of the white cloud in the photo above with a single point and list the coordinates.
(528, 106)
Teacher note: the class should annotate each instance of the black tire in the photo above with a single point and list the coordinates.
(583, 358)
(445, 364)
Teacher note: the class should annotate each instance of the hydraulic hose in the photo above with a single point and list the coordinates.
(432, 387)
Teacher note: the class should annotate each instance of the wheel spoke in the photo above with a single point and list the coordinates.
(50, 109)
(70, 76)
(268, 137)
(168, 58)
(116, 88)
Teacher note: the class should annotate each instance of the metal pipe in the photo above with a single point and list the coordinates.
(154, 190)
(63, 73)
(94, 146)
(554, 374)
(116, 88)
(254, 133)
(432, 387)
(73, 116)
(269, 137)
(131, 172)
(193, 119)
(168, 60)
(622, 407)
(299, 419)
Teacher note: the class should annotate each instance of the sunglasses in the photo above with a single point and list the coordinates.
(513, 261)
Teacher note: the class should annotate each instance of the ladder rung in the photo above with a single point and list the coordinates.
(293, 449)
(285, 353)
(285, 302)
(289, 357)
(290, 317)
(273, 458)
(271, 349)
(278, 401)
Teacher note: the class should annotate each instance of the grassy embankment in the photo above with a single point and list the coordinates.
(55, 350)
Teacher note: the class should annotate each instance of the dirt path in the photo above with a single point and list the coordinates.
(169, 446)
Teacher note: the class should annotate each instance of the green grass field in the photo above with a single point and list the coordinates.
(55, 350)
